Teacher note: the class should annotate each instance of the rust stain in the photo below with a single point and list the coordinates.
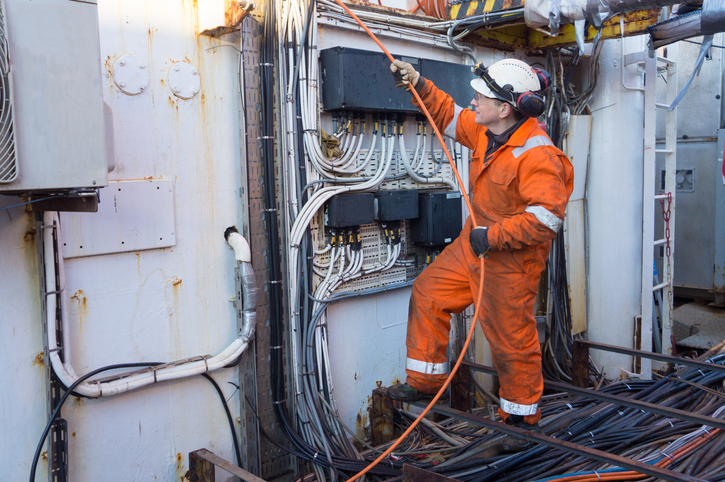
(180, 470)
(29, 236)
(378, 383)
(175, 281)
(44, 456)
(73, 434)
(39, 359)
(82, 301)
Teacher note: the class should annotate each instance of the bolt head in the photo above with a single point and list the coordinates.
(122, 83)
(142, 66)
(121, 62)
(194, 72)
(140, 87)
(176, 68)
(176, 88)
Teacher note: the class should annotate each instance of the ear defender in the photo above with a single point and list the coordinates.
(530, 104)
(544, 78)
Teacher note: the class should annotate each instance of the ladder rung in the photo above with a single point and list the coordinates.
(665, 60)
(660, 286)
(661, 196)
(663, 151)
(660, 242)
(662, 106)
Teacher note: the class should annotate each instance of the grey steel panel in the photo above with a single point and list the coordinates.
(695, 217)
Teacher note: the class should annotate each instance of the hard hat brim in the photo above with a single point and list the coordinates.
(479, 85)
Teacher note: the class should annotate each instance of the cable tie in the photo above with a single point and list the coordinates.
(153, 369)
(313, 458)
(278, 402)
(620, 412)
(265, 64)
(704, 427)
(598, 478)
(628, 387)
(669, 457)
(671, 425)
(206, 363)
(590, 433)
(265, 137)
(570, 407)
(58, 348)
(279, 348)
(275, 282)
(270, 210)
(56, 292)
(310, 130)
(700, 372)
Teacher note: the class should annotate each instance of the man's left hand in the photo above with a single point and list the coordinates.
(479, 241)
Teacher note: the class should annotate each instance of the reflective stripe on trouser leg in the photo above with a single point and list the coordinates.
(517, 409)
(427, 368)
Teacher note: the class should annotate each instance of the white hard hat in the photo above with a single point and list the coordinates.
(509, 72)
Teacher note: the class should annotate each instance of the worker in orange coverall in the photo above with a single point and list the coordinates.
(519, 187)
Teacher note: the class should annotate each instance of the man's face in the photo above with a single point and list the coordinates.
(488, 111)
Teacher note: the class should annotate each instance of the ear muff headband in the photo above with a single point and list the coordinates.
(530, 104)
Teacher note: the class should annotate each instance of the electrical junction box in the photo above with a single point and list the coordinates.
(453, 79)
(439, 218)
(57, 98)
(354, 79)
(396, 205)
(345, 210)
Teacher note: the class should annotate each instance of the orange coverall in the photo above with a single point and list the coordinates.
(520, 192)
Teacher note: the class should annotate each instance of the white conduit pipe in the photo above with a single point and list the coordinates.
(140, 378)
(416, 177)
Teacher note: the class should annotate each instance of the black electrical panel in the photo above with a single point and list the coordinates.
(354, 79)
(346, 210)
(453, 79)
(396, 205)
(439, 218)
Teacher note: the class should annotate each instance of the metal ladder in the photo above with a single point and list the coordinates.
(658, 68)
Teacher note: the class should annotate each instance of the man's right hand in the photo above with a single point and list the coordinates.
(404, 74)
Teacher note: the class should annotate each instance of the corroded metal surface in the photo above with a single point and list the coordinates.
(202, 465)
(461, 389)
(381, 417)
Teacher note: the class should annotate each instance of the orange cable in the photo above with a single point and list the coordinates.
(473, 220)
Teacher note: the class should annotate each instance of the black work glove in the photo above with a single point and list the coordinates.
(479, 241)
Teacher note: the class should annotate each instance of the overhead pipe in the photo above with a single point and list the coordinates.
(148, 376)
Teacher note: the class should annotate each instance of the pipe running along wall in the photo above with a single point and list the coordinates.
(140, 378)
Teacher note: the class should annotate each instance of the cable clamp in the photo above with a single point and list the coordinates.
(598, 478)
(275, 347)
(265, 137)
(270, 210)
(276, 282)
(310, 130)
(669, 457)
(266, 64)
(56, 292)
(628, 387)
(570, 407)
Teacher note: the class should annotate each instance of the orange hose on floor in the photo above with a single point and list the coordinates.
(473, 219)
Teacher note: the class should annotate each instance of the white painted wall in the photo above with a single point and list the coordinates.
(151, 305)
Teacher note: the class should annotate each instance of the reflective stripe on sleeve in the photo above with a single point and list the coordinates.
(451, 129)
(426, 367)
(545, 217)
(532, 142)
(516, 409)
